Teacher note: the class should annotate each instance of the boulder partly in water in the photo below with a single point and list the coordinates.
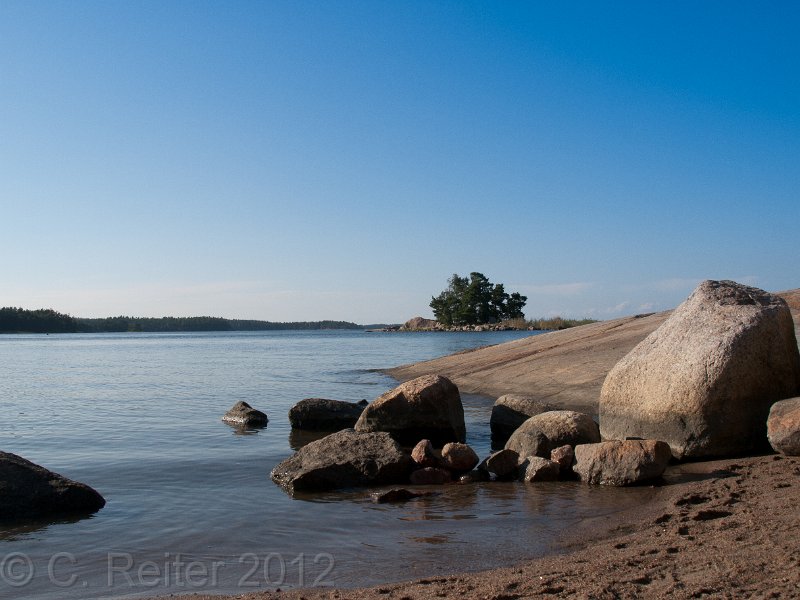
(344, 459)
(321, 414)
(242, 414)
(428, 407)
(28, 490)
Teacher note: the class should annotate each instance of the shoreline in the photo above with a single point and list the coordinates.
(726, 528)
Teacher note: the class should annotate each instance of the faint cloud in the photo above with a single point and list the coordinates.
(619, 308)
(556, 289)
(647, 306)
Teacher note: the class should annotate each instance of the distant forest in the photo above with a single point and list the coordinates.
(18, 320)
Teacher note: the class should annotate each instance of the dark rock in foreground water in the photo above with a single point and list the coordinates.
(321, 414)
(344, 459)
(427, 407)
(30, 491)
(244, 415)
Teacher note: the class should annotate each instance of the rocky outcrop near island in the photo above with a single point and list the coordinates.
(344, 459)
(420, 324)
(621, 463)
(704, 381)
(428, 407)
(321, 414)
(28, 491)
(783, 426)
(242, 414)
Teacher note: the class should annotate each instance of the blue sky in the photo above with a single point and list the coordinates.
(340, 160)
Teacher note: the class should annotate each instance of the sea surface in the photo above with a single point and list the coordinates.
(190, 505)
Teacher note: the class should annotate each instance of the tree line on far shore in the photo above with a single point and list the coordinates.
(45, 320)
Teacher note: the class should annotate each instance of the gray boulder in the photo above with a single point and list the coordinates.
(704, 381)
(344, 459)
(536, 468)
(321, 414)
(511, 411)
(427, 407)
(244, 415)
(783, 426)
(621, 463)
(564, 427)
(528, 440)
(30, 491)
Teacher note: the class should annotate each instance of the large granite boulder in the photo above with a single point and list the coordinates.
(529, 440)
(704, 381)
(30, 491)
(427, 407)
(244, 415)
(344, 459)
(511, 411)
(620, 462)
(321, 414)
(783, 426)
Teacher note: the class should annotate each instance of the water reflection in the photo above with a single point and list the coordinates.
(303, 437)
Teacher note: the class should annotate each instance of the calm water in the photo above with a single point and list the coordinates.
(190, 503)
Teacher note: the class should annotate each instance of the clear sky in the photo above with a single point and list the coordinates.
(290, 160)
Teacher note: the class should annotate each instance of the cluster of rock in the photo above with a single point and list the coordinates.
(423, 324)
(702, 385)
(385, 448)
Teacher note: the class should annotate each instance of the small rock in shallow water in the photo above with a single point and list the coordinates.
(243, 414)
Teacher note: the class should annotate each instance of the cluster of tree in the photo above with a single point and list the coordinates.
(18, 320)
(44, 320)
(475, 300)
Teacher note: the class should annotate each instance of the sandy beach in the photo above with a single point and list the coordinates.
(718, 529)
